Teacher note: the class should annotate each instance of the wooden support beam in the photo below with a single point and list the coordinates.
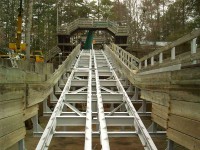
(162, 122)
(10, 108)
(160, 110)
(12, 138)
(10, 124)
(183, 139)
(30, 112)
(189, 95)
(185, 125)
(161, 98)
(187, 109)
(11, 92)
(37, 93)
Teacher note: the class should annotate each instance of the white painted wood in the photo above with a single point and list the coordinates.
(194, 48)
(140, 65)
(161, 58)
(173, 53)
(145, 63)
(152, 60)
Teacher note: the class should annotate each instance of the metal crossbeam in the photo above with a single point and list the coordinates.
(74, 109)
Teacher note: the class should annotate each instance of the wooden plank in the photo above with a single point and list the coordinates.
(39, 67)
(31, 77)
(30, 112)
(26, 66)
(183, 139)
(156, 77)
(186, 74)
(12, 138)
(37, 93)
(190, 95)
(185, 125)
(64, 67)
(12, 92)
(161, 70)
(11, 75)
(15, 75)
(9, 108)
(48, 70)
(160, 98)
(10, 124)
(159, 110)
(162, 122)
(185, 109)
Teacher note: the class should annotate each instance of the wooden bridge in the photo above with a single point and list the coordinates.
(91, 24)
(166, 80)
(66, 32)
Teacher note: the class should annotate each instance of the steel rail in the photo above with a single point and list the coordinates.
(102, 122)
(141, 130)
(88, 126)
(51, 125)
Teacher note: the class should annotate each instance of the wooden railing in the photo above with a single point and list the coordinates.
(165, 57)
(91, 23)
(51, 53)
(190, 56)
(131, 61)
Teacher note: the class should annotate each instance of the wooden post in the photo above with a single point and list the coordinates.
(145, 63)
(160, 58)
(140, 65)
(194, 48)
(173, 53)
(152, 60)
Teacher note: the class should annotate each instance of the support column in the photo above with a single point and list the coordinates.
(170, 144)
(143, 108)
(46, 108)
(136, 94)
(21, 145)
(36, 126)
(53, 98)
(153, 127)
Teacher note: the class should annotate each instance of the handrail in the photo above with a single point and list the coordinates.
(62, 68)
(91, 23)
(182, 59)
(127, 58)
(191, 37)
(51, 53)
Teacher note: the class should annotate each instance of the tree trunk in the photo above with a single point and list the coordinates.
(29, 25)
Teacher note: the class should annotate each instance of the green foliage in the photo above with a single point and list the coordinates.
(151, 20)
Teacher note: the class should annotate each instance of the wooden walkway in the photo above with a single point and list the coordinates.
(88, 24)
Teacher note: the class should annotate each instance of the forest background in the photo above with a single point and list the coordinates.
(147, 20)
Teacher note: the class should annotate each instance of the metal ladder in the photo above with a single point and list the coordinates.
(93, 81)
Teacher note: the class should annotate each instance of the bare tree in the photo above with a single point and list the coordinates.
(28, 31)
